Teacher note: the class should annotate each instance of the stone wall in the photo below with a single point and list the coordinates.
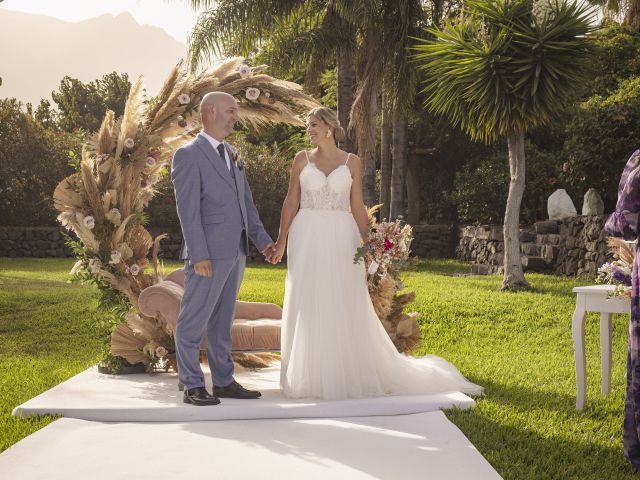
(434, 241)
(32, 242)
(49, 242)
(574, 246)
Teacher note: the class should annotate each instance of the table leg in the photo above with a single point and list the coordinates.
(577, 328)
(605, 351)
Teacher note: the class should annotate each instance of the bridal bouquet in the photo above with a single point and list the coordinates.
(386, 248)
(385, 254)
(618, 272)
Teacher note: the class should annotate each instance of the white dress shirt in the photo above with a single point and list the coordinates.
(214, 143)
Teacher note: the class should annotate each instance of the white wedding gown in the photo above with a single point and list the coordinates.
(333, 344)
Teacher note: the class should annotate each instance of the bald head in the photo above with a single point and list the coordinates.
(219, 114)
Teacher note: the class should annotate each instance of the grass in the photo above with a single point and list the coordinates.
(517, 345)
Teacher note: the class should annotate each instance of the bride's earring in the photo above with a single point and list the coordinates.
(328, 133)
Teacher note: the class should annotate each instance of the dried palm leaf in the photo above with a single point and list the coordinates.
(66, 196)
(254, 360)
(140, 241)
(620, 249)
(126, 344)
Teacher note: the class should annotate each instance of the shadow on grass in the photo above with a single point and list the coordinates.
(521, 454)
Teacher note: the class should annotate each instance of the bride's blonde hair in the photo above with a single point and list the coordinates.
(329, 117)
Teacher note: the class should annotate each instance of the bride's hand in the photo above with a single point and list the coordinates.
(278, 251)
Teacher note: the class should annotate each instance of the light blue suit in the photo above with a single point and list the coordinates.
(216, 211)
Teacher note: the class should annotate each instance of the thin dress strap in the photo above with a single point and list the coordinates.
(348, 157)
(307, 155)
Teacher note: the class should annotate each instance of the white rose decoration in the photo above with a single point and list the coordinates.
(245, 71)
(151, 162)
(252, 93)
(89, 222)
(184, 99)
(116, 257)
(134, 269)
(94, 265)
(161, 351)
(129, 143)
(114, 216)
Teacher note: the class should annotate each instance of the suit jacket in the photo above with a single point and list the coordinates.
(213, 206)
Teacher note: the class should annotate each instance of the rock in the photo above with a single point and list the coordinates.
(546, 227)
(592, 204)
(560, 205)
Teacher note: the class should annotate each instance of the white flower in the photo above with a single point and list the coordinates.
(114, 216)
(373, 268)
(403, 246)
(116, 257)
(94, 265)
(151, 162)
(134, 269)
(252, 93)
(129, 143)
(267, 94)
(89, 222)
(244, 71)
(161, 351)
(184, 99)
(153, 179)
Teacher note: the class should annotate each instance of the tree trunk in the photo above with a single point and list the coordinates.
(513, 278)
(385, 158)
(632, 15)
(367, 151)
(413, 189)
(398, 171)
(346, 83)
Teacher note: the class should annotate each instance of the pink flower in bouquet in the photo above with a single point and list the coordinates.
(388, 244)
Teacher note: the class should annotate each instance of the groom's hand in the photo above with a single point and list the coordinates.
(268, 252)
(203, 268)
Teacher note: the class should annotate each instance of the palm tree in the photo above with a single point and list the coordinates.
(402, 21)
(507, 67)
(293, 35)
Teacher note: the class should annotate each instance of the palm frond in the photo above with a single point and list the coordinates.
(501, 69)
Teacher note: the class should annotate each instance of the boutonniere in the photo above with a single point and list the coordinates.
(235, 156)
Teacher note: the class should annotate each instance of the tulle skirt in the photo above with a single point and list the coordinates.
(333, 344)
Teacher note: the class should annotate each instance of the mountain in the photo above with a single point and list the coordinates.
(36, 51)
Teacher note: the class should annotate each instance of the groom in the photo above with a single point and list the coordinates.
(217, 214)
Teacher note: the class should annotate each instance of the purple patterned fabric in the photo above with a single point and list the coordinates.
(624, 223)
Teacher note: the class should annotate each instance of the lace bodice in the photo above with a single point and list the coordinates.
(325, 192)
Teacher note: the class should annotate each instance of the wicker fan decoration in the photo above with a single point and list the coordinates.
(103, 203)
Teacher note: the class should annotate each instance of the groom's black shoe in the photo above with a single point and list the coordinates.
(199, 396)
(235, 390)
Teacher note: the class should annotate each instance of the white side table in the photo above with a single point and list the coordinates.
(594, 299)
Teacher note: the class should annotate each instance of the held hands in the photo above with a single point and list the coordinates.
(203, 268)
(273, 252)
(278, 252)
(268, 252)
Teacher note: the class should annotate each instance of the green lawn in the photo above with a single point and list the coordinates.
(517, 345)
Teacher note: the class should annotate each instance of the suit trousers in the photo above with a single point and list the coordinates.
(207, 309)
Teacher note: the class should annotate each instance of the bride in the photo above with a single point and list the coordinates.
(333, 345)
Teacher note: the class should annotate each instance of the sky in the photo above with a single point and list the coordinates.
(175, 16)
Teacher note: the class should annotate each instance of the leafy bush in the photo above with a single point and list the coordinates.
(600, 138)
(481, 188)
(33, 160)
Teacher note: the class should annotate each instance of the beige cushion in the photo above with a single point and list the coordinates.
(256, 325)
